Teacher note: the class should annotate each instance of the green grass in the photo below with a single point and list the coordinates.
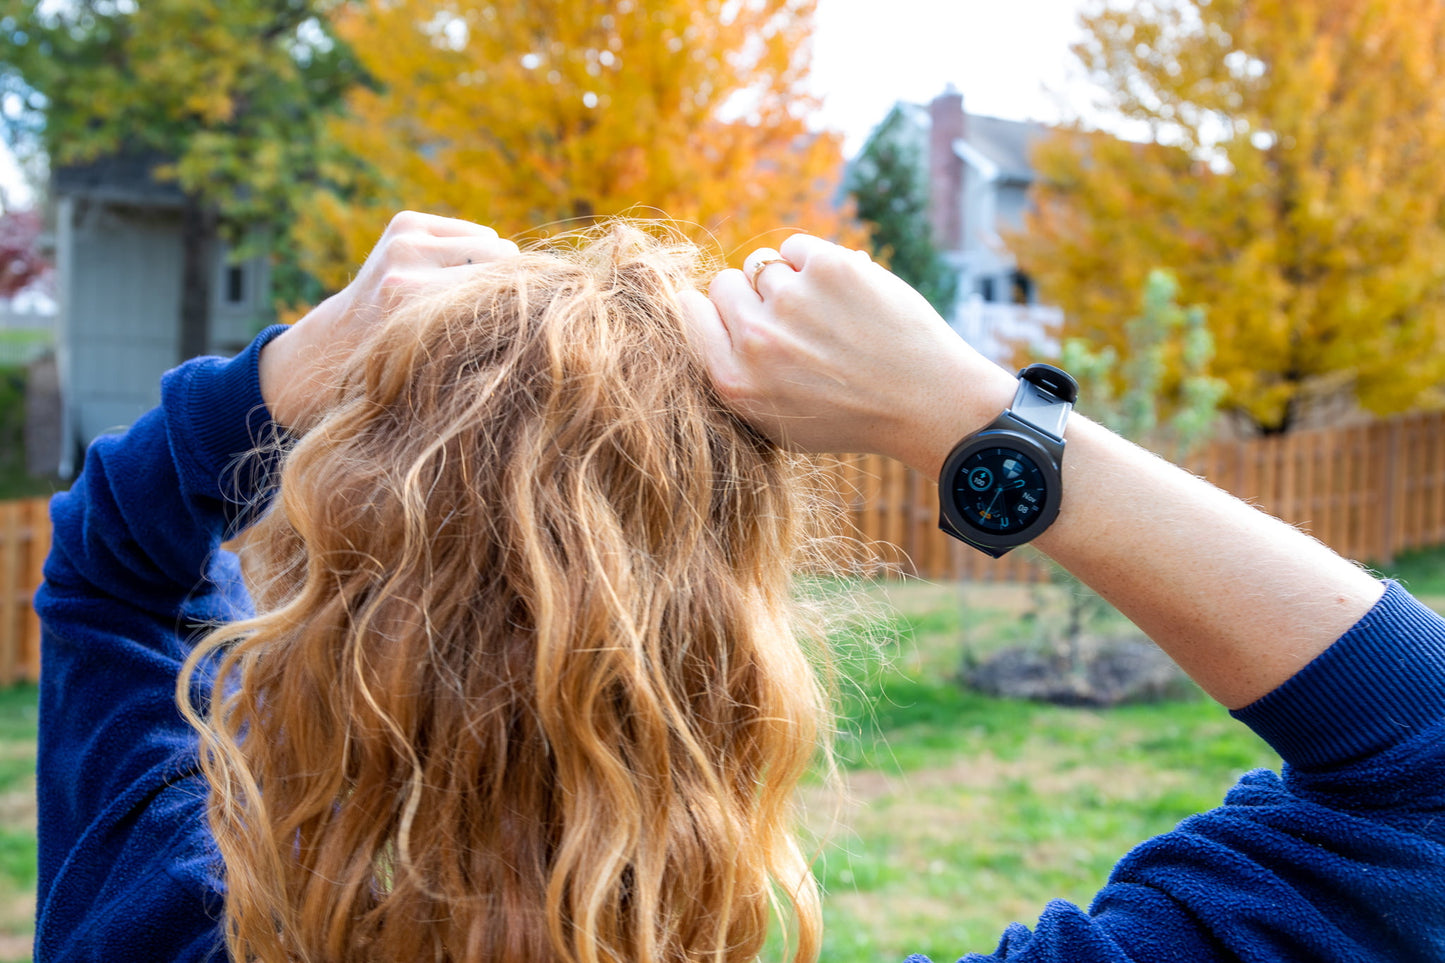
(1423, 572)
(17, 821)
(20, 346)
(960, 814)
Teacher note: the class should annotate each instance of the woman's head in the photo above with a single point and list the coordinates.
(524, 683)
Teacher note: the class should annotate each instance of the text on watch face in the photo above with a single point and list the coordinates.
(999, 489)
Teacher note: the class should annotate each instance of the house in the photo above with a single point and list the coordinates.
(119, 256)
(979, 176)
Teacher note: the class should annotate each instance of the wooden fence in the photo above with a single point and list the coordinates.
(24, 543)
(1369, 492)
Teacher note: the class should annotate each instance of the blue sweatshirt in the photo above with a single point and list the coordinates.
(1340, 859)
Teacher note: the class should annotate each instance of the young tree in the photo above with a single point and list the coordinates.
(229, 96)
(521, 113)
(1162, 397)
(889, 185)
(1295, 185)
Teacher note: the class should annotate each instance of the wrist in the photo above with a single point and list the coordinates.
(962, 402)
(217, 416)
(290, 366)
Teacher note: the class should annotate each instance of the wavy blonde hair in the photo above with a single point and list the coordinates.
(526, 683)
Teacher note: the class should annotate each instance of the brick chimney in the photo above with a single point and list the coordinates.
(945, 169)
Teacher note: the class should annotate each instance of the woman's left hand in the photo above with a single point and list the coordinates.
(417, 251)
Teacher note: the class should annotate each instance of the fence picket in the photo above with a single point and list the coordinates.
(37, 521)
(11, 570)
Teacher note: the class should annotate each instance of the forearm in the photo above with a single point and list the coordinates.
(1241, 600)
(838, 355)
(135, 572)
(1238, 598)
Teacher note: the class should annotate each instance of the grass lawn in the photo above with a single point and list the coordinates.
(17, 821)
(960, 814)
(955, 814)
(1423, 573)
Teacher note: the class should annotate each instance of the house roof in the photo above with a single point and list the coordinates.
(1004, 142)
(127, 178)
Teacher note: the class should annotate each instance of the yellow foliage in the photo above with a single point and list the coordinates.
(530, 115)
(1296, 189)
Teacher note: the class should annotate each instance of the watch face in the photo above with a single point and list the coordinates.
(999, 490)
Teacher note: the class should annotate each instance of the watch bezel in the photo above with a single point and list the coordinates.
(1045, 457)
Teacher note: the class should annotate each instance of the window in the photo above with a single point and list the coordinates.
(235, 284)
(1021, 288)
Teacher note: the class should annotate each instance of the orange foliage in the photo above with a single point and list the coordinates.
(1296, 189)
(531, 115)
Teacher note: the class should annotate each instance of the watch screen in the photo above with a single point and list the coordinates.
(999, 489)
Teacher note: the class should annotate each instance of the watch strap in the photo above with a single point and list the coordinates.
(1044, 398)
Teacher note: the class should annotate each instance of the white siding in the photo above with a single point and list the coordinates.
(124, 296)
(238, 315)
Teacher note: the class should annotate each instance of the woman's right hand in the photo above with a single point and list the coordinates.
(830, 353)
(417, 251)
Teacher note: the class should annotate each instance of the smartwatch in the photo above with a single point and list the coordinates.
(1001, 486)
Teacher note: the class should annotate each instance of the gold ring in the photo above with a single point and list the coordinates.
(757, 269)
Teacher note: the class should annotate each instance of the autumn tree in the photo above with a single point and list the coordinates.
(228, 97)
(21, 263)
(889, 185)
(1294, 182)
(554, 113)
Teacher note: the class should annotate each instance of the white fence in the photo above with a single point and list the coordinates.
(25, 335)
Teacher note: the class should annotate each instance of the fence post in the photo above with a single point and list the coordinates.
(12, 589)
(1392, 477)
(38, 548)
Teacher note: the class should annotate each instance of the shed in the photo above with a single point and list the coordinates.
(118, 241)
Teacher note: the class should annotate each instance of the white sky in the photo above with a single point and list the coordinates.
(17, 193)
(1009, 58)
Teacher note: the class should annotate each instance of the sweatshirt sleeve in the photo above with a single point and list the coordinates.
(1342, 858)
(136, 573)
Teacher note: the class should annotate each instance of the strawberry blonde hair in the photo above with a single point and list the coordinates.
(526, 681)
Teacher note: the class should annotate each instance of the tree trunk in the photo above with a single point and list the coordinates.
(198, 243)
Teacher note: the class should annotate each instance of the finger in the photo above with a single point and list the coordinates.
(474, 251)
(758, 264)
(733, 295)
(757, 257)
(437, 225)
(704, 328)
(800, 247)
(428, 251)
(706, 331)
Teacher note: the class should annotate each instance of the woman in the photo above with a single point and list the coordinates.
(1343, 858)
(523, 680)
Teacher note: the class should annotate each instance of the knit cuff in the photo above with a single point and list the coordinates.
(1382, 682)
(216, 417)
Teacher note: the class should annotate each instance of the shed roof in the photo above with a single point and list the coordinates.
(126, 178)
